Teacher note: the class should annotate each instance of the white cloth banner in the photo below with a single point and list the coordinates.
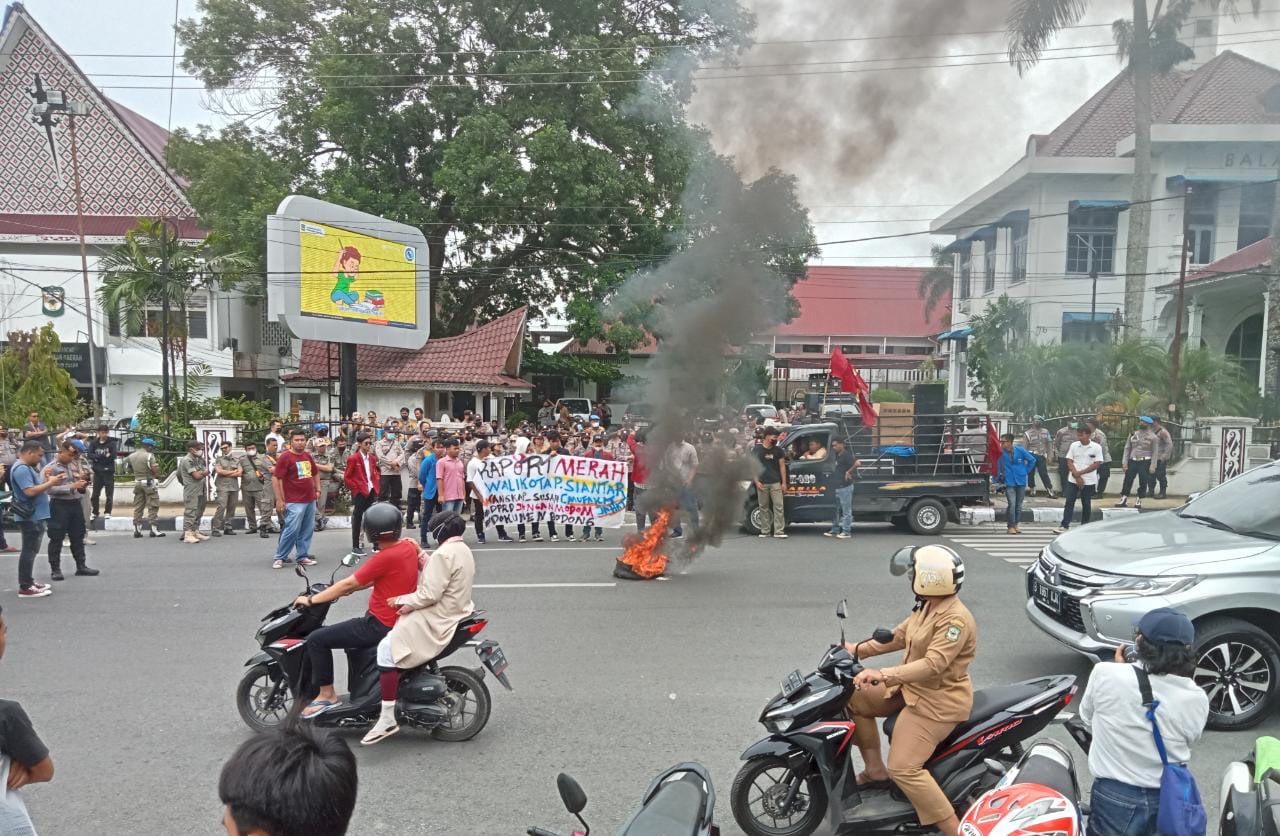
(565, 489)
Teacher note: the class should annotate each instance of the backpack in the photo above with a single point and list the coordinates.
(1181, 812)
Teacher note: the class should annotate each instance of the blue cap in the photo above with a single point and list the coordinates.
(595, 417)
(320, 427)
(78, 444)
(150, 442)
(1166, 626)
(1146, 419)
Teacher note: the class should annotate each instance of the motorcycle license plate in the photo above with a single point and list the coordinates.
(1046, 596)
(792, 684)
(496, 661)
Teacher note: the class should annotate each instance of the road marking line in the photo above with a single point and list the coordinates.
(543, 585)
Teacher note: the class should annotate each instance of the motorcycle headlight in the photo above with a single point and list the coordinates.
(780, 725)
(1162, 585)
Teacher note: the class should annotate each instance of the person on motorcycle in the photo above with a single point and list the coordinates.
(428, 615)
(930, 691)
(392, 571)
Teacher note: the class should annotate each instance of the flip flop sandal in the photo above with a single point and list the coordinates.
(322, 705)
(866, 783)
(375, 736)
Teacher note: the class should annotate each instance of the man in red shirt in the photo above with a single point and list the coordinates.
(361, 478)
(639, 478)
(296, 480)
(392, 571)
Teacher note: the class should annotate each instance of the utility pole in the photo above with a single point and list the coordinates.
(1176, 365)
(48, 109)
(1093, 303)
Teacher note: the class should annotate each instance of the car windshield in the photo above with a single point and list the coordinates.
(1248, 504)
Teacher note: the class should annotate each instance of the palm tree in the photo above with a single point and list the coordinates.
(935, 283)
(1150, 43)
(154, 267)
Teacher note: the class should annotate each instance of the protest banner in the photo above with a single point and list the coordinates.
(564, 489)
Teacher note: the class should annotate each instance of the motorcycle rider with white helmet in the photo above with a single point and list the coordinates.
(930, 691)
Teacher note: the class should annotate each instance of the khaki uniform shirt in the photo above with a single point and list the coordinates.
(257, 473)
(1164, 445)
(1038, 441)
(8, 453)
(934, 674)
(1062, 441)
(142, 464)
(325, 458)
(389, 454)
(226, 483)
(1141, 445)
(73, 472)
(1100, 438)
(188, 466)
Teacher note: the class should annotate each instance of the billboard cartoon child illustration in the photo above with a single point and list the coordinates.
(345, 273)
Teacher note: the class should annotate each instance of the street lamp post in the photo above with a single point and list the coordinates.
(49, 108)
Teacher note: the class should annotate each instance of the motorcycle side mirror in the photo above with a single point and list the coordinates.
(883, 635)
(302, 573)
(575, 800)
(350, 559)
(842, 609)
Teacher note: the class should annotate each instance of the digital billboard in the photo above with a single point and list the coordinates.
(353, 276)
(341, 275)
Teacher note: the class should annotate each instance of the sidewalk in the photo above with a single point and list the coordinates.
(1042, 509)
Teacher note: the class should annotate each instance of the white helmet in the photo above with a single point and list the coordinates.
(935, 570)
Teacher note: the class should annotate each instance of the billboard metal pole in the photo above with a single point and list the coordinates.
(347, 379)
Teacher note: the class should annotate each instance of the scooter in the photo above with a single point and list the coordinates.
(802, 770)
(453, 702)
(680, 800)
(1249, 807)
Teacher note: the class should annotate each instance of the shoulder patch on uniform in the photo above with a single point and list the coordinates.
(953, 633)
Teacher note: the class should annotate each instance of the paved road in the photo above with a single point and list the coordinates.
(130, 676)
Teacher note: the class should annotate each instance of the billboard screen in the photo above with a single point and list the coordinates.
(353, 276)
(341, 275)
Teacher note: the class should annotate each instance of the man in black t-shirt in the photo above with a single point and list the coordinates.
(24, 759)
(846, 473)
(770, 483)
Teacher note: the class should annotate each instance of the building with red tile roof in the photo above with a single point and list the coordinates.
(1052, 230)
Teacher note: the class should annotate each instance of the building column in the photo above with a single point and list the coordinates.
(1195, 324)
(1266, 327)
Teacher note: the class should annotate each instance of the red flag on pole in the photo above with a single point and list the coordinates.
(854, 384)
(994, 449)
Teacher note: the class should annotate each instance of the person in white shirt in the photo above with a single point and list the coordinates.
(1123, 758)
(475, 493)
(521, 443)
(1084, 457)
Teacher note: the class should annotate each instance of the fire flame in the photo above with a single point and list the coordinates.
(644, 555)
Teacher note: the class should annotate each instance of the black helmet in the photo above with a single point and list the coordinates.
(381, 520)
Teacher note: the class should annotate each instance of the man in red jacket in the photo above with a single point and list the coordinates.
(639, 477)
(361, 478)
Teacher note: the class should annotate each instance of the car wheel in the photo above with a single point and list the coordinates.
(1238, 666)
(752, 518)
(927, 516)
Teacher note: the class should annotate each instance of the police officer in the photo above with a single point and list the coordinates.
(192, 471)
(66, 509)
(1164, 452)
(1139, 450)
(102, 458)
(226, 480)
(1039, 443)
(930, 691)
(1062, 441)
(326, 466)
(146, 496)
(267, 499)
(255, 483)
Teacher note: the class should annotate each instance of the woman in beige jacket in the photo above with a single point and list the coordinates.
(428, 616)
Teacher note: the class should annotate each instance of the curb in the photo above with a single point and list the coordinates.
(980, 516)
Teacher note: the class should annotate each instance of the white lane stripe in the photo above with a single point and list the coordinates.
(544, 585)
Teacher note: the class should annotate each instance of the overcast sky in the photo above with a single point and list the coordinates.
(876, 152)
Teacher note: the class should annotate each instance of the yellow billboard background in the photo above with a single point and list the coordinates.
(353, 276)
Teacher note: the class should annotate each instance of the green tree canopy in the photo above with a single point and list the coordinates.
(540, 146)
(31, 379)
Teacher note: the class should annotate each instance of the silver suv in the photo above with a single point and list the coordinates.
(1217, 559)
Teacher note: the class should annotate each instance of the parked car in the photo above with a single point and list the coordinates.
(638, 414)
(767, 411)
(1216, 558)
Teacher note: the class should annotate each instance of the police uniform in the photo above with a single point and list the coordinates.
(194, 492)
(228, 488)
(932, 691)
(1139, 451)
(1164, 452)
(66, 514)
(390, 455)
(146, 495)
(255, 483)
(1039, 443)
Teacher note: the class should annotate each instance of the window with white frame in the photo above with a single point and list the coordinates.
(989, 265)
(153, 317)
(1202, 221)
(1018, 253)
(966, 272)
(1091, 240)
(1255, 214)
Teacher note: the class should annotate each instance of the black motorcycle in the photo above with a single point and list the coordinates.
(453, 703)
(803, 770)
(680, 800)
